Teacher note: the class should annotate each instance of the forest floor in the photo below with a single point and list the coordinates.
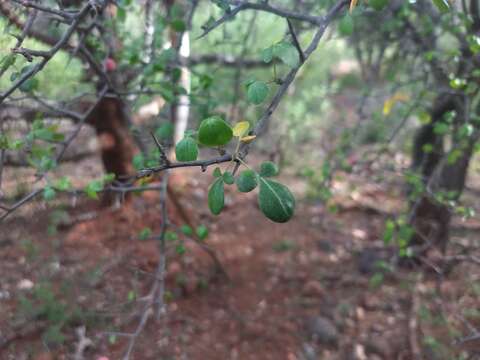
(308, 289)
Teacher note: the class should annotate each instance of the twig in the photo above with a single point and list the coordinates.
(160, 148)
(83, 343)
(415, 349)
(35, 5)
(295, 41)
(262, 6)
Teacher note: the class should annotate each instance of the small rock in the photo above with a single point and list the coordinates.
(25, 284)
(308, 352)
(174, 268)
(4, 295)
(325, 246)
(322, 330)
(313, 288)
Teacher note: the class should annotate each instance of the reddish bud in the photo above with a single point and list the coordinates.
(110, 64)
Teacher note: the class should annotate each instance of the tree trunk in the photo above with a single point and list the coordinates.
(429, 217)
(116, 143)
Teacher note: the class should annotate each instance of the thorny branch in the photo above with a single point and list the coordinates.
(47, 55)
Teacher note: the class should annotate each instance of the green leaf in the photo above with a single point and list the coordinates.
(93, 187)
(222, 4)
(121, 14)
(108, 178)
(267, 54)
(202, 232)
(186, 149)
(186, 230)
(268, 169)
(171, 236)
(389, 232)
(216, 196)
(214, 131)
(275, 200)
(217, 172)
(48, 193)
(29, 85)
(257, 92)
(442, 5)
(6, 62)
(228, 178)
(345, 26)
(247, 181)
(178, 25)
(131, 296)
(287, 53)
(378, 4)
(145, 233)
(165, 131)
(180, 249)
(63, 184)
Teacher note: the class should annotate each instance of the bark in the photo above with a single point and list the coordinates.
(429, 217)
(116, 143)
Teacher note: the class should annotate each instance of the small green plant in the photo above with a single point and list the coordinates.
(45, 305)
(283, 246)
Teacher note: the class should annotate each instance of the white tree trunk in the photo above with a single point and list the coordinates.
(183, 108)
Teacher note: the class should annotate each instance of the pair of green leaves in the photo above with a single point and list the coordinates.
(62, 184)
(213, 132)
(283, 51)
(274, 199)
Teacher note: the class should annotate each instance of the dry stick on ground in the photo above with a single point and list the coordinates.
(413, 328)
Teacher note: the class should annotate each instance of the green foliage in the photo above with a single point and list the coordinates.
(202, 232)
(442, 5)
(48, 193)
(145, 233)
(95, 186)
(246, 181)
(44, 304)
(283, 246)
(217, 172)
(186, 149)
(378, 4)
(228, 178)
(216, 196)
(268, 169)
(214, 131)
(257, 92)
(283, 51)
(186, 230)
(275, 200)
(165, 131)
(345, 26)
